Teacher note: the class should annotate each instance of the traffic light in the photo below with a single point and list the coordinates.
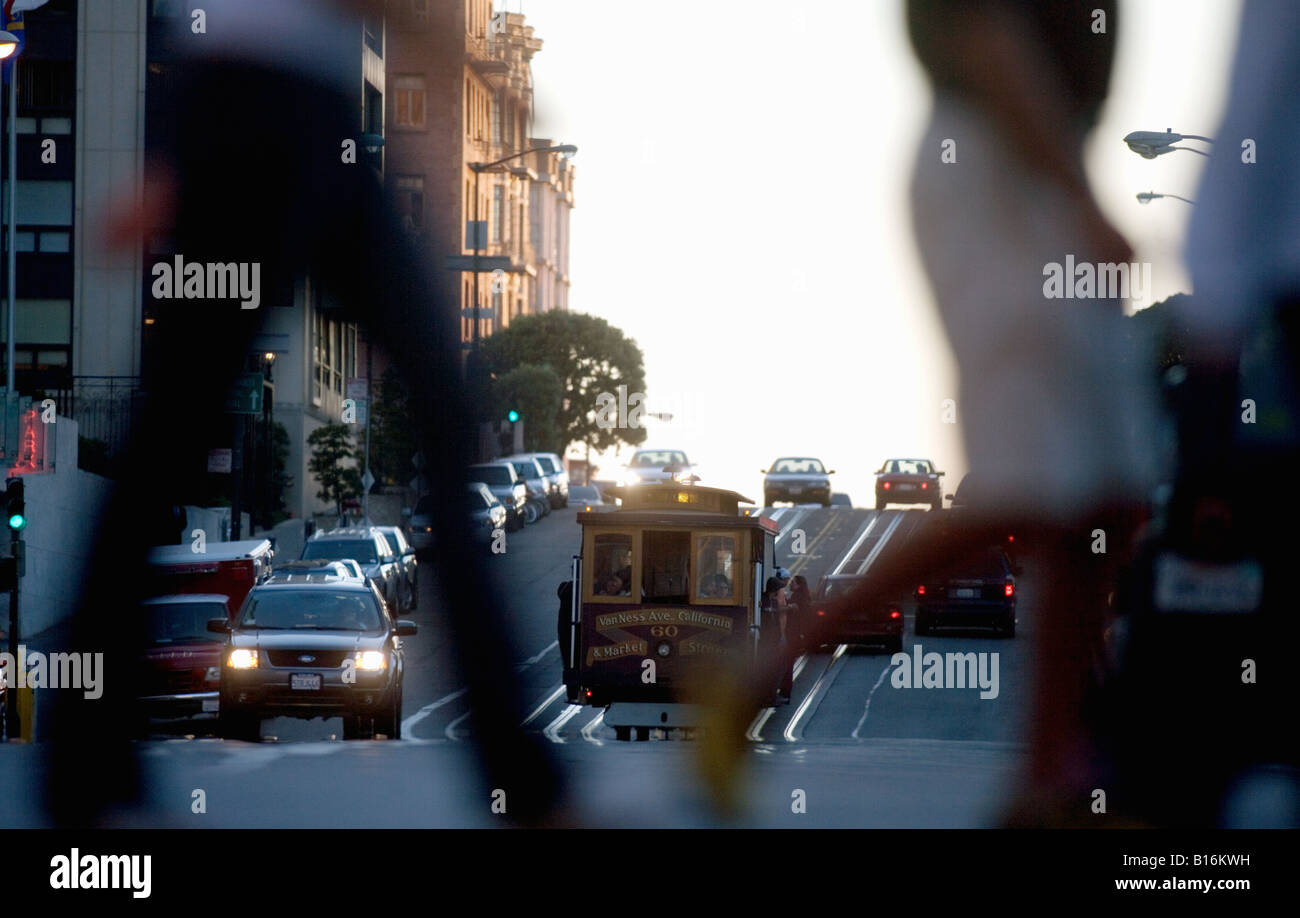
(15, 506)
(512, 415)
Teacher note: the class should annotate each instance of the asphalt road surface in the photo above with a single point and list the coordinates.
(851, 747)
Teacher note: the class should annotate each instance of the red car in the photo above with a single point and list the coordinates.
(908, 481)
(181, 665)
(845, 619)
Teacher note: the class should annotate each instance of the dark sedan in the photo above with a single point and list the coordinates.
(323, 649)
(845, 619)
(798, 480)
(908, 481)
(978, 591)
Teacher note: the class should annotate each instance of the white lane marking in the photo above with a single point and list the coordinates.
(861, 537)
(589, 732)
(867, 707)
(880, 544)
(428, 709)
(535, 658)
(552, 731)
(823, 682)
(546, 703)
(789, 527)
(755, 732)
(451, 727)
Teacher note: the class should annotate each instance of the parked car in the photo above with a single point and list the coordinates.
(650, 466)
(908, 481)
(505, 483)
(800, 480)
(841, 500)
(977, 591)
(486, 512)
(366, 545)
(420, 525)
(848, 620)
(407, 564)
(181, 665)
(535, 480)
(313, 650)
(556, 476)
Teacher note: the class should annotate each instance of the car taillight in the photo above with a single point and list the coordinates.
(1011, 538)
(885, 486)
(895, 614)
(1010, 588)
(924, 485)
(821, 611)
(920, 591)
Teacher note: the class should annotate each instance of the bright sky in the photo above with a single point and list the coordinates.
(741, 211)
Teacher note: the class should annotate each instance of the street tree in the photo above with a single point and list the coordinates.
(589, 356)
(536, 392)
(392, 433)
(331, 447)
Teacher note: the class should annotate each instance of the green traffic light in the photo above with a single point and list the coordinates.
(17, 521)
(513, 416)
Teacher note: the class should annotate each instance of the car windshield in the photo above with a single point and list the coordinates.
(658, 458)
(525, 469)
(838, 588)
(907, 467)
(182, 622)
(362, 550)
(798, 466)
(492, 474)
(584, 492)
(311, 609)
(547, 465)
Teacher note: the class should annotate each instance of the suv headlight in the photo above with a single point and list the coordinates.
(372, 661)
(242, 658)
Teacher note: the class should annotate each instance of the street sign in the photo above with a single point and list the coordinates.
(220, 461)
(367, 481)
(476, 235)
(245, 395)
(486, 263)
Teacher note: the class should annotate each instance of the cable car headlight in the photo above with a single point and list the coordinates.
(664, 649)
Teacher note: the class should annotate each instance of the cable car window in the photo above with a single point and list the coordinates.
(612, 565)
(666, 558)
(714, 564)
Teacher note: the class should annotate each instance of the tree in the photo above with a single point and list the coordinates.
(589, 356)
(331, 446)
(392, 434)
(536, 393)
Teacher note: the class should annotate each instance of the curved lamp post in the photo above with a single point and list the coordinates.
(1150, 144)
(1146, 197)
(9, 49)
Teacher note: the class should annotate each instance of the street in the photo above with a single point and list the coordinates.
(863, 752)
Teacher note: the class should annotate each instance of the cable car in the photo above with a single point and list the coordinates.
(667, 589)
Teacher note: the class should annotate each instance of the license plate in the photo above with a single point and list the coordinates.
(906, 487)
(795, 490)
(210, 705)
(306, 682)
(1192, 586)
(964, 593)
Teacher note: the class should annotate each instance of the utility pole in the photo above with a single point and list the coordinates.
(237, 474)
(365, 461)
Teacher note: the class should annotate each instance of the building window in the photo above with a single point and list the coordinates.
(420, 13)
(408, 102)
(498, 212)
(498, 113)
(410, 202)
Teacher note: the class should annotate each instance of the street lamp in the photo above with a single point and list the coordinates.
(1150, 144)
(1146, 197)
(9, 48)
